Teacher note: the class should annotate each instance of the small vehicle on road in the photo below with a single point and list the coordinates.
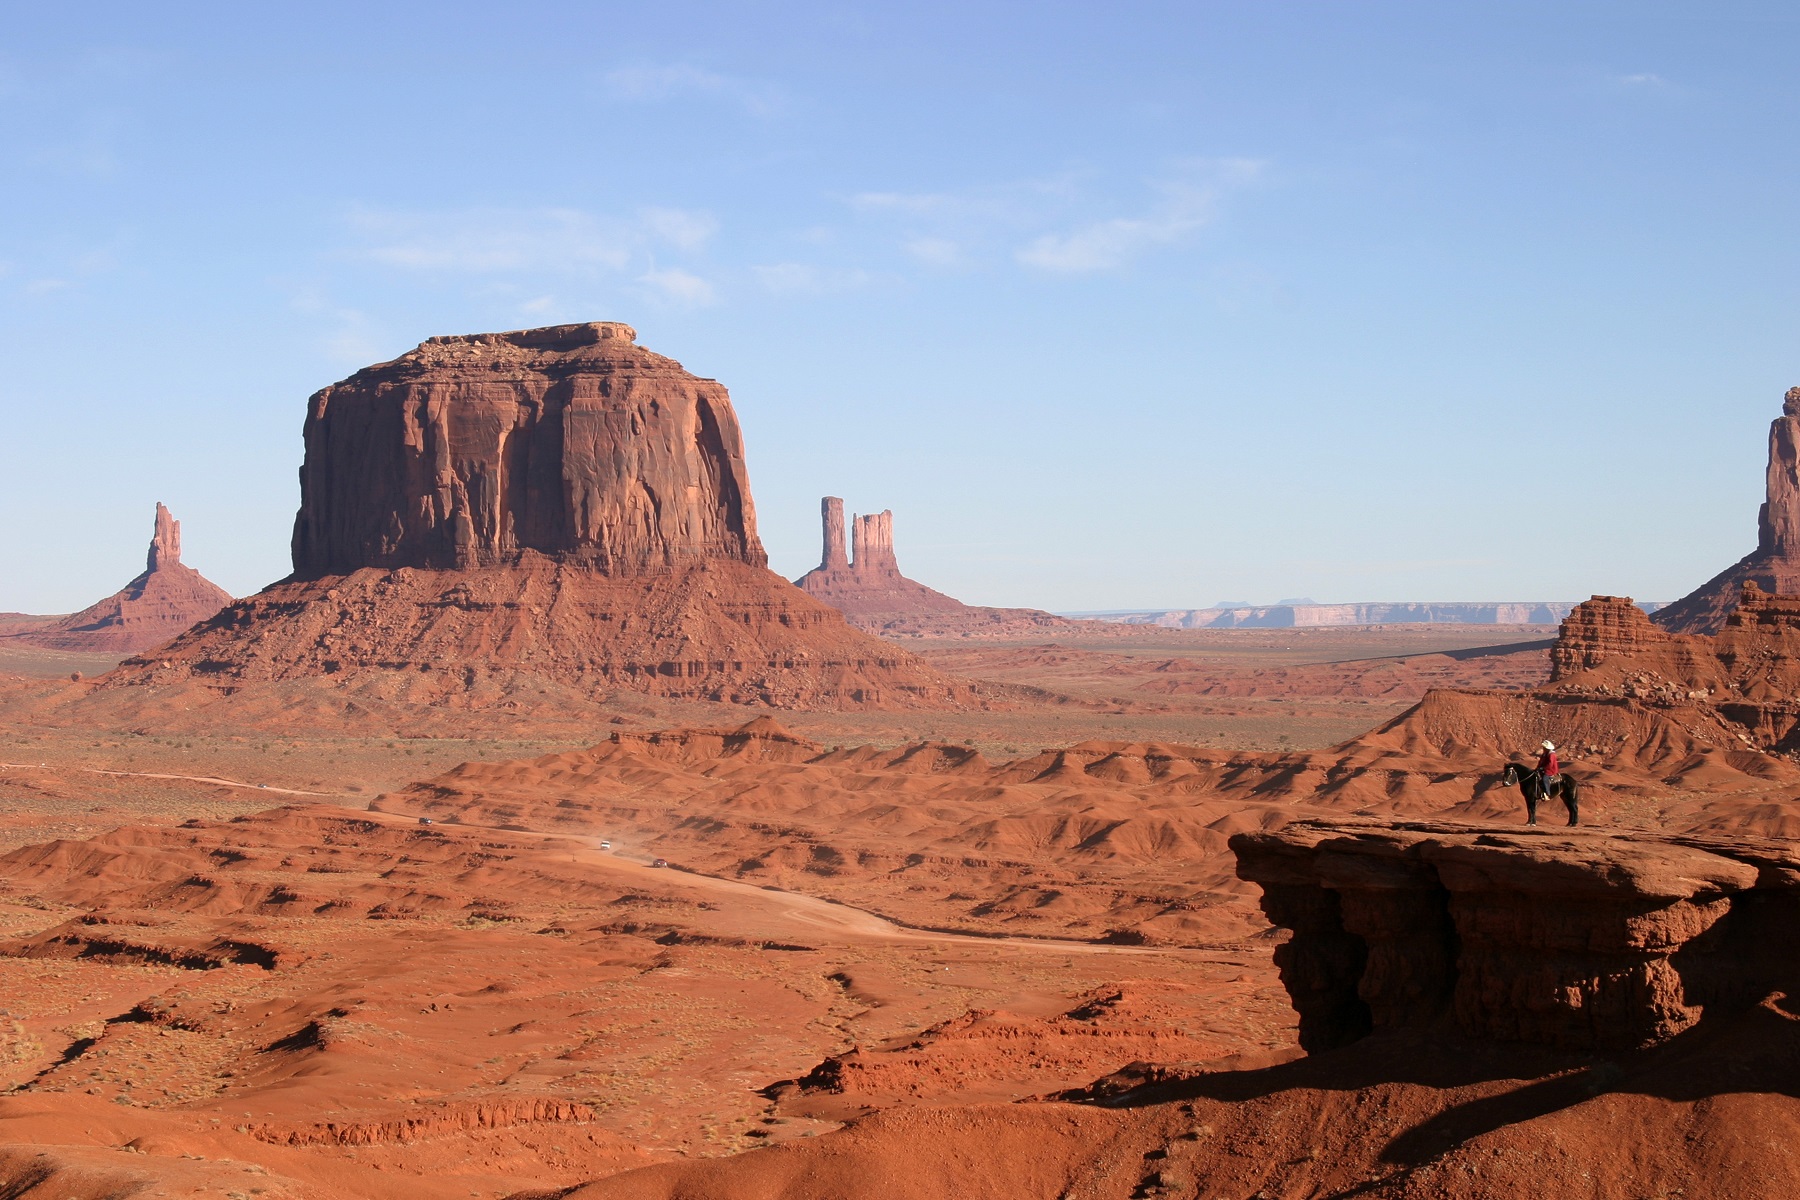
(661, 862)
(605, 844)
(424, 820)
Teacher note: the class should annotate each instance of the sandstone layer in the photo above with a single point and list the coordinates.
(868, 588)
(1586, 940)
(571, 441)
(1774, 565)
(490, 518)
(164, 601)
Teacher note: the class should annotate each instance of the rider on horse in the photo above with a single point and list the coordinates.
(1542, 782)
(1547, 767)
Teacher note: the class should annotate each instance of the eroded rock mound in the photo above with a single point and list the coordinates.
(1582, 940)
(165, 600)
(1775, 563)
(870, 591)
(716, 630)
(555, 506)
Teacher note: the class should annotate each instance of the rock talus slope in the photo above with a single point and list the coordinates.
(162, 602)
(553, 504)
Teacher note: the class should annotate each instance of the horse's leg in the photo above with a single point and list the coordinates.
(1571, 801)
(1529, 787)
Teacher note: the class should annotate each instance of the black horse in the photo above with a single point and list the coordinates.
(1530, 780)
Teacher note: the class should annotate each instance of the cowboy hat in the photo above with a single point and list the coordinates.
(1548, 746)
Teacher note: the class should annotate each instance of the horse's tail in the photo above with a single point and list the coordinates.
(1571, 797)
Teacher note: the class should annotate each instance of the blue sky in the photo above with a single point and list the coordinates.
(1130, 305)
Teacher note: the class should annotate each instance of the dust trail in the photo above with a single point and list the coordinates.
(236, 783)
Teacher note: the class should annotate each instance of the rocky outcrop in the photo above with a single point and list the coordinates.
(167, 599)
(870, 591)
(1774, 565)
(489, 520)
(1750, 667)
(1582, 940)
(570, 441)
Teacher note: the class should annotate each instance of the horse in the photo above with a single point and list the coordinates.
(1530, 780)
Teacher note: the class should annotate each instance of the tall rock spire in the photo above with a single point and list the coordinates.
(165, 545)
(873, 542)
(831, 510)
(1774, 566)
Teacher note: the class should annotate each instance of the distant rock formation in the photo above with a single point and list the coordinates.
(1774, 565)
(164, 601)
(555, 505)
(870, 591)
(1308, 615)
(1586, 940)
(1751, 666)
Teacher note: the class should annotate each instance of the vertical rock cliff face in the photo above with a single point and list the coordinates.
(570, 441)
(1775, 563)
(873, 547)
(153, 608)
(488, 515)
(832, 510)
(1588, 941)
(165, 543)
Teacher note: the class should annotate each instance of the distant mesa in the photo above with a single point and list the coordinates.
(1303, 614)
(490, 514)
(1774, 566)
(870, 591)
(162, 602)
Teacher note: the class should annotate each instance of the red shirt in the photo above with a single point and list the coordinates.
(1547, 762)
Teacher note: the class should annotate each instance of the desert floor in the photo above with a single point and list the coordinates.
(221, 972)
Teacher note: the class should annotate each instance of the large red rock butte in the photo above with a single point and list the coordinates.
(165, 600)
(1774, 565)
(554, 504)
(869, 589)
(476, 451)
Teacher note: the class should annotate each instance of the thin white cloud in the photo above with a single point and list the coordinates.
(678, 286)
(935, 251)
(1644, 80)
(914, 203)
(652, 83)
(1108, 244)
(805, 279)
(680, 228)
(495, 241)
(351, 339)
(489, 240)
